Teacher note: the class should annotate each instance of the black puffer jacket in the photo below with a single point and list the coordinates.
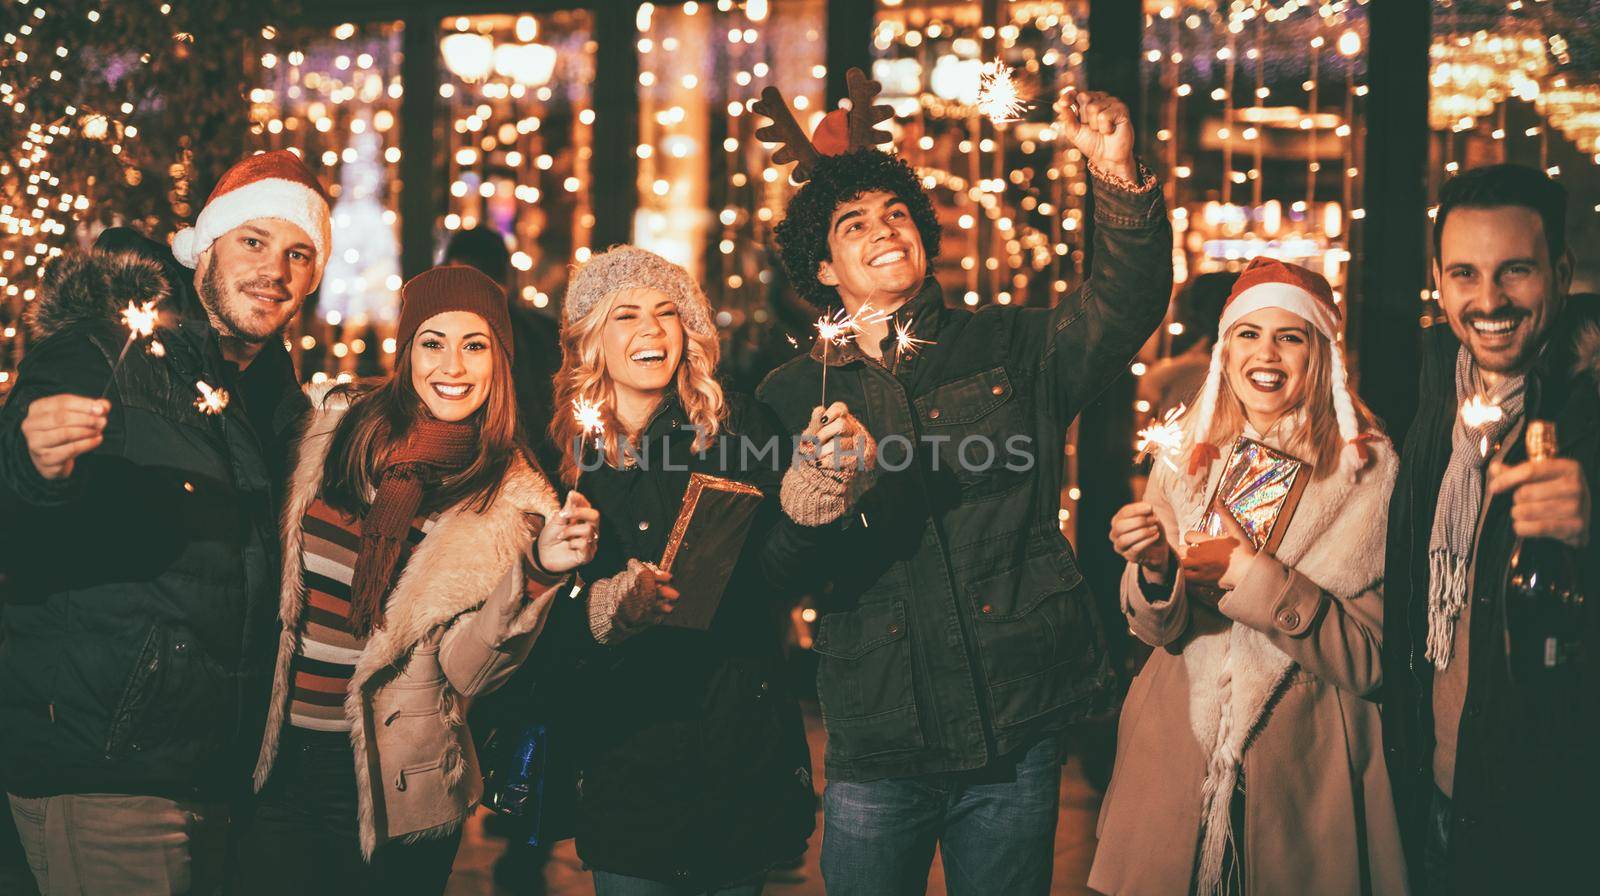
(695, 768)
(141, 619)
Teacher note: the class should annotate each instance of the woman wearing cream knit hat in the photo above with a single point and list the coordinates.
(695, 772)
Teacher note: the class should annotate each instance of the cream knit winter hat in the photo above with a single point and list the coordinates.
(630, 267)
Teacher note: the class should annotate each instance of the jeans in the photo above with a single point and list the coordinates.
(112, 844)
(995, 829)
(608, 884)
(302, 838)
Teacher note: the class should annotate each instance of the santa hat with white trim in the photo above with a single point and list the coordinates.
(1269, 283)
(275, 185)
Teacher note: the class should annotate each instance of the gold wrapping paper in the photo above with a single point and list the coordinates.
(704, 546)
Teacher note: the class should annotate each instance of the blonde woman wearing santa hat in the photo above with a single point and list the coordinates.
(1249, 756)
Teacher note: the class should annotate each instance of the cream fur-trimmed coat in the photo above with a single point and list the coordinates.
(456, 626)
(1274, 683)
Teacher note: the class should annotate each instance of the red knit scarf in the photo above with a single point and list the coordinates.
(431, 449)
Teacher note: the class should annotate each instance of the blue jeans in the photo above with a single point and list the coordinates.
(608, 884)
(995, 829)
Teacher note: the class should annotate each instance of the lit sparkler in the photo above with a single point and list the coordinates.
(1479, 411)
(211, 401)
(833, 329)
(1162, 440)
(906, 344)
(141, 323)
(999, 97)
(587, 414)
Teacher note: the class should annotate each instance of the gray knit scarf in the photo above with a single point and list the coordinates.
(1455, 517)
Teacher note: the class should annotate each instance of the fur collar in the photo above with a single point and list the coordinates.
(1335, 539)
(451, 572)
(94, 287)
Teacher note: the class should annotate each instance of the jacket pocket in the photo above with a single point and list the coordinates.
(175, 698)
(977, 433)
(864, 682)
(1039, 639)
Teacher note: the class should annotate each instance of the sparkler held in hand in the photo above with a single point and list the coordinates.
(1162, 440)
(1000, 98)
(833, 329)
(141, 323)
(590, 422)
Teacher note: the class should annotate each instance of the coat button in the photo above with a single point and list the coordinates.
(644, 525)
(180, 647)
(1288, 618)
(998, 390)
(933, 414)
(986, 609)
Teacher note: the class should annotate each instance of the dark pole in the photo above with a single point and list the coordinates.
(614, 168)
(1105, 427)
(849, 43)
(1394, 237)
(420, 181)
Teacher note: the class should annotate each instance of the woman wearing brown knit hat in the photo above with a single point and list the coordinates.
(421, 553)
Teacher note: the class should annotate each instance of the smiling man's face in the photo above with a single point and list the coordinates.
(1498, 285)
(875, 252)
(255, 277)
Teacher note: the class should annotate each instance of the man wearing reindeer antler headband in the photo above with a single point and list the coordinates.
(958, 639)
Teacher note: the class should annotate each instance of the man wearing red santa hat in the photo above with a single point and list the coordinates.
(139, 642)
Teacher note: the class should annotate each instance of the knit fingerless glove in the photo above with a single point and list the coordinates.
(815, 494)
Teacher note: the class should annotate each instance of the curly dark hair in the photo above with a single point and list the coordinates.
(803, 233)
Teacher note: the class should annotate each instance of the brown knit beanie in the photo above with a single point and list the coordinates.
(454, 287)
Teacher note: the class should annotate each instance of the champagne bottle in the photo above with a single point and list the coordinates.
(1544, 597)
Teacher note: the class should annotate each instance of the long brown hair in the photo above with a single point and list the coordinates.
(584, 377)
(1319, 442)
(380, 415)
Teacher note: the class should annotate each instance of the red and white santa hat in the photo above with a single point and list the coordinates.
(1270, 283)
(275, 185)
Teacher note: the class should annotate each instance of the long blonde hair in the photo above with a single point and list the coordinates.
(1320, 441)
(583, 378)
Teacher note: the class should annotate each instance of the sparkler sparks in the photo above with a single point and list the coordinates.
(999, 97)
(836, 328)
(906, 344)
(140, 320)
(1162, 440)
(141, 323)
(1477, 412)
(211, 401)
(587, 414)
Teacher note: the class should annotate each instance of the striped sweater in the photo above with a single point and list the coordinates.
(328, 650)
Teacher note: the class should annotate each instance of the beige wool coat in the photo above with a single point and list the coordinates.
(456, 626)
(1274, 683)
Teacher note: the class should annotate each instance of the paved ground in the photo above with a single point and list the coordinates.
(1080, 802)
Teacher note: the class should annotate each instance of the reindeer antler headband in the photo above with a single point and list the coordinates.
(858, 130)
